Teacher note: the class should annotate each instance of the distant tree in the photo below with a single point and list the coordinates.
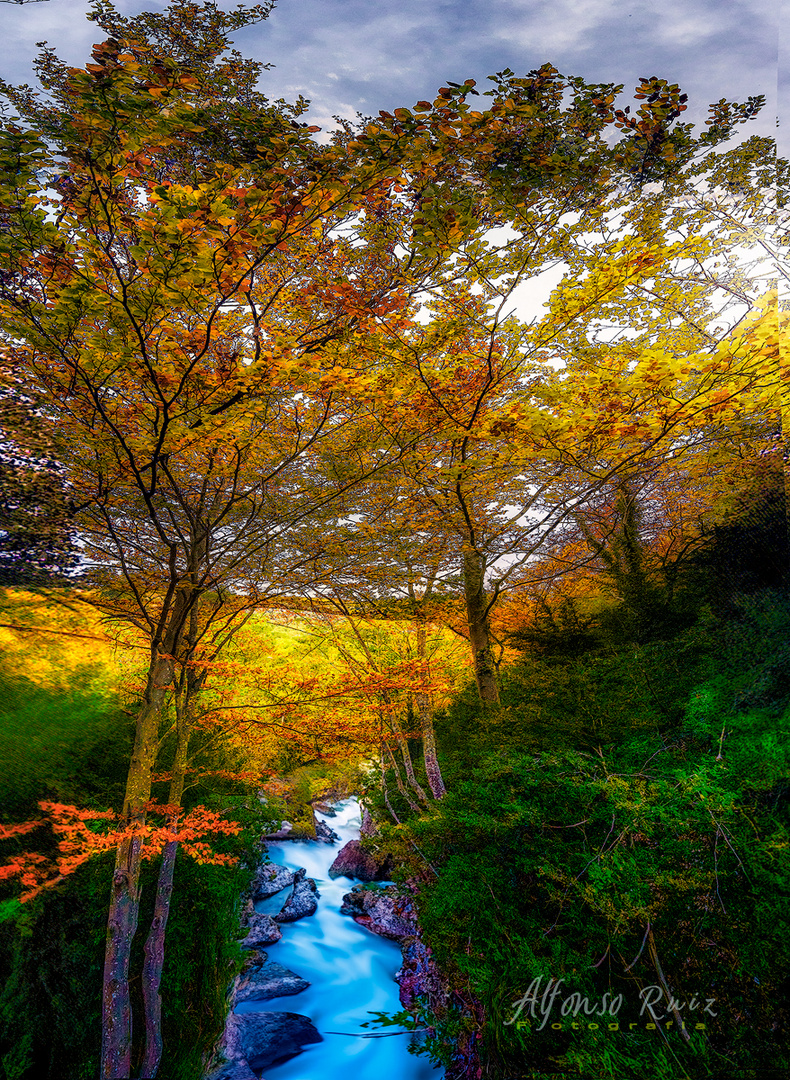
(36, 529)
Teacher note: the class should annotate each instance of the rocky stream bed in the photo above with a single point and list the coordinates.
(321, 957)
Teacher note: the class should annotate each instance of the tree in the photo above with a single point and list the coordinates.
(36, 534)
(154, 298)
(528, 422)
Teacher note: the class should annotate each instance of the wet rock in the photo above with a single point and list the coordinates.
(325, 808)
(262, 982)
(262, 930)
(419, 976)
(385, 911)
(233, 1070)
(270, 879)
(260, 1039)
(324, 833)
(302, 901)
(283, 833)
(354, 862)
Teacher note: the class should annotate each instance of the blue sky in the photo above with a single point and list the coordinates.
(364, 55)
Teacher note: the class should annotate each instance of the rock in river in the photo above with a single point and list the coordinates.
(266, 981)
(263, 930)
(354, 862)
(269, 879)
(324, 834)
(302, 901)
(266, 1038)
(385, 911)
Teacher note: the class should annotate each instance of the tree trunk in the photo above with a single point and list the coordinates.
(384, 791)
(401, 788)
(479, 633)
(125, 896)
(432, 770)
(188, 684)
(368, 826)
(155, 943)
(403, 745)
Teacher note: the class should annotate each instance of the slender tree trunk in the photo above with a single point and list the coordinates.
(408, 765)
(384, 791)
(188, 685)
(155, 943)
(432, 770)
(368, 826)
(401, 788)
(479, 632)
(125, 894)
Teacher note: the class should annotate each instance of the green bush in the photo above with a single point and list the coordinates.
(611, 792)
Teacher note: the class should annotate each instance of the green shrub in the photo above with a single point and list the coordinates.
(611, 792)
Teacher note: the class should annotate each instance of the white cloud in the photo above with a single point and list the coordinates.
(556, 25)
(347, 55)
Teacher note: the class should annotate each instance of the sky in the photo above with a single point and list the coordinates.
(350, 56)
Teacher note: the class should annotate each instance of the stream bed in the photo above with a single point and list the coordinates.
(351, 972)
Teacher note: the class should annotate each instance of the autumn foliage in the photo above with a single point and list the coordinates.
(79, 836)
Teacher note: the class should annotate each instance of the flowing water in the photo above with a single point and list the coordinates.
(351, 971)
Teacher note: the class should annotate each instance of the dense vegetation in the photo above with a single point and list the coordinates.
(620, 821)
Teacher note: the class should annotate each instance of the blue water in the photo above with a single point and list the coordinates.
(351, 971)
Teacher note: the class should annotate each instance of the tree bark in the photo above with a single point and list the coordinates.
(384, 791)
(479, 631)
(125, 894)
(423, 702)
(432, 769)
(155, 942)
(368, 826)
(401, 788)
(403, 745)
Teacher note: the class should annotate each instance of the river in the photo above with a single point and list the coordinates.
(351, 971)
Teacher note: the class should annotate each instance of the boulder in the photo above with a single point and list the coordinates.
(283, 833)
(262, 930)
(325, 808)
(324, 833)
(354, 862)
(270, 879)
(264, 981)
(302, 901)
(385, 911)
(261, 1039)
